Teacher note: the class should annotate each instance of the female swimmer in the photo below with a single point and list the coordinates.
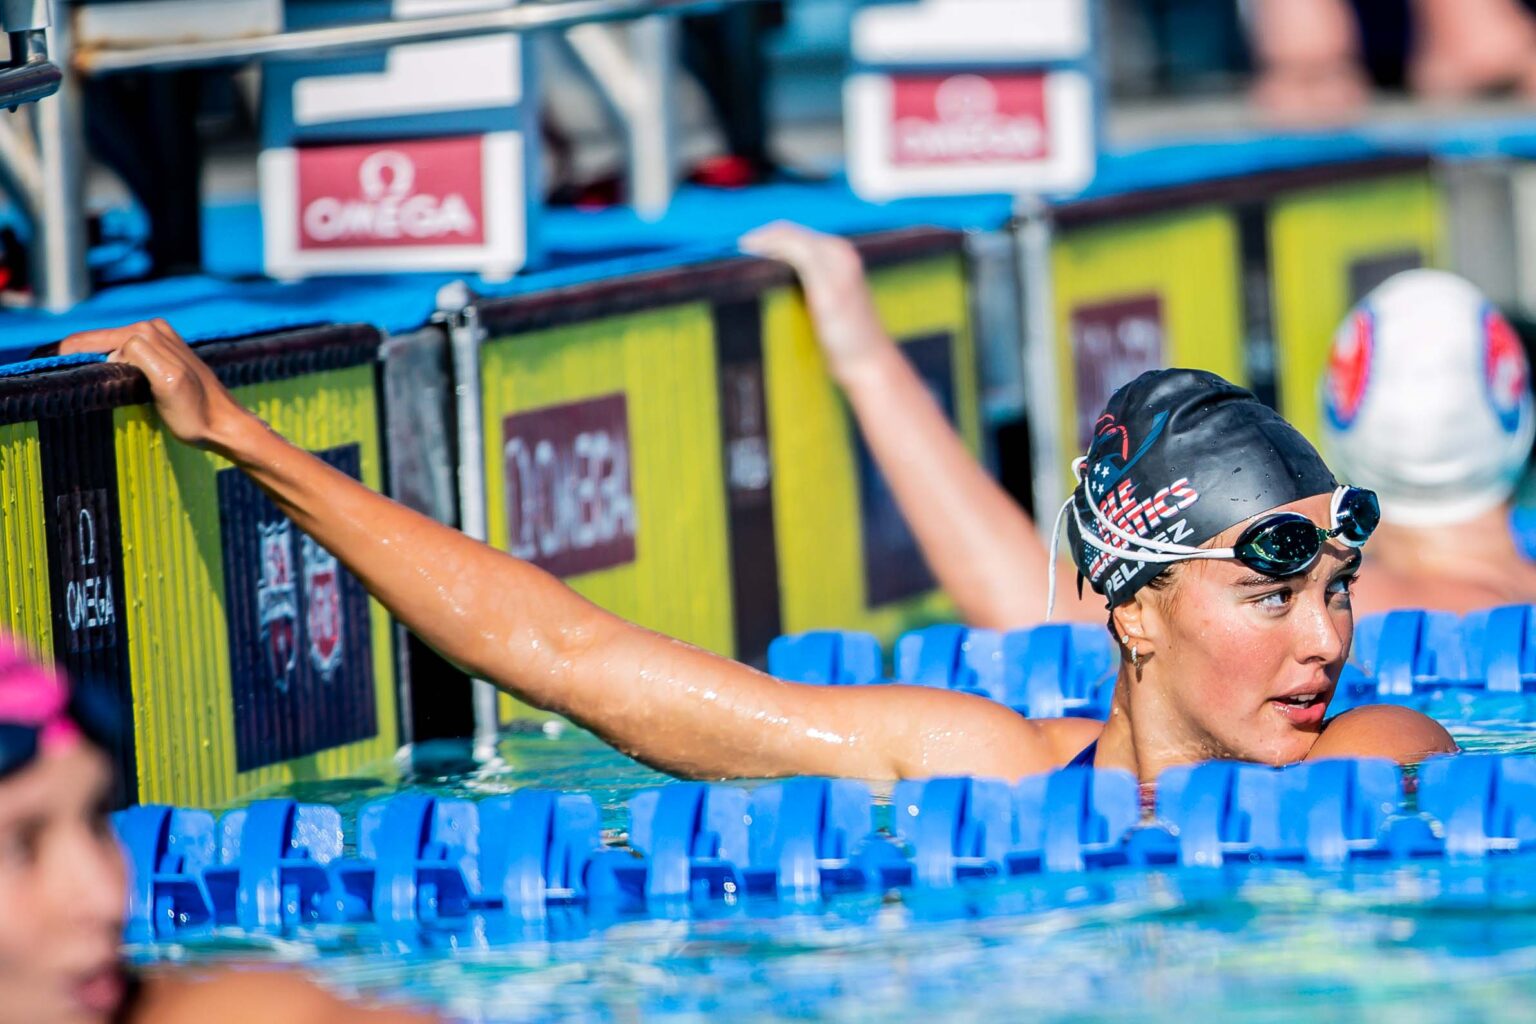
(63, 887)
(1222, 543)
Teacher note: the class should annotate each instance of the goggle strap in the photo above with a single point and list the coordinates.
(1155, 557)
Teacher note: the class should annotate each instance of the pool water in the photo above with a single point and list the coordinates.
(1402, 943)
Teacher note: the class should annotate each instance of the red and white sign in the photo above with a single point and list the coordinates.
(963, 119)
(365, 196)
(1011, 133)
(421, 204)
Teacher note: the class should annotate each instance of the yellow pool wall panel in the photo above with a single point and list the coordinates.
(1189, 260)
(27, 610)
(174, 594)
(818, 528)
(1315, 237)
(663, 362)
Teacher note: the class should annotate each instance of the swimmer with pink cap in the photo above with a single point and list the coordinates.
(36, 712)
(63, 885)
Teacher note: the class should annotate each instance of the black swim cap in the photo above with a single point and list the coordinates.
(1180, 456)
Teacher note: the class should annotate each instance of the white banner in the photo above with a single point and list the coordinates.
(972, 31)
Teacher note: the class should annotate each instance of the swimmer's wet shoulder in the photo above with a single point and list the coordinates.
(259, 995)
(1383, 730)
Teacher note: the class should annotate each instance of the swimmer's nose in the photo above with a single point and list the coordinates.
(87, 854)
(1323, 640)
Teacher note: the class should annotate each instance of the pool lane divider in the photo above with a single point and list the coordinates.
(424, 862)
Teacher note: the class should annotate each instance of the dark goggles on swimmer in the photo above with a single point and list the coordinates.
(1278, 544)
(1287, 543)
(89, 709)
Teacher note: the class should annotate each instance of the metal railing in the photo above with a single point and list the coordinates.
(330, 41)
(637, 92)
(28, 75)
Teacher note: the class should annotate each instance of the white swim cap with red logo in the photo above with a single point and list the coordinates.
(1427, 400)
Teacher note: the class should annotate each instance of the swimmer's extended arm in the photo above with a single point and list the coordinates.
(257, 995)
(982, 547)
(672, 705)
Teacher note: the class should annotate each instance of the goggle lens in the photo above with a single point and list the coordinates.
(1286, 543)
(1358, 516)
(1281, 546)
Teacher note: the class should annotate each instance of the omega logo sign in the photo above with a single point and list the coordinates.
(968, 118)
(88, 600)
(86, 569)
(570, 505)
(425, 192)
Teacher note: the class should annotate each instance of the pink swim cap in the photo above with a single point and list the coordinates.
(35, 696)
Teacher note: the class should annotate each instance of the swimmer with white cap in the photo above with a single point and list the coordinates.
(1427, 401)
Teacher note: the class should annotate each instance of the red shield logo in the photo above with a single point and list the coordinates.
(276, 602)
(323, 615)
(1349, 369)
(1504, 369)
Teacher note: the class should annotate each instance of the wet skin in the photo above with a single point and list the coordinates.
(63, 886)
(1456, 567)
(698, 715)
(1237, 665)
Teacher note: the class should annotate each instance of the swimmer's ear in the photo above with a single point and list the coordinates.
(1135, 624)
(1126, 621)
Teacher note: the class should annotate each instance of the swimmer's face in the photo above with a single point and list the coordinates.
(1247, 664)
(62, 887)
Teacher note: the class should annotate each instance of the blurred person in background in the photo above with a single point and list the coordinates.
(1317, 59)
(63, 886)
(1427, 401)
(984, 549)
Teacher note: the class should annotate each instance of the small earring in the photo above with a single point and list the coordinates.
(1125, 641)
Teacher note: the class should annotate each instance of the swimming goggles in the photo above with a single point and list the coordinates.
(1279, 544)
(1286, 543)
(88, 709)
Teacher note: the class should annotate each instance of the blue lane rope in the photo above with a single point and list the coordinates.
(1408, 657)
(428, 862)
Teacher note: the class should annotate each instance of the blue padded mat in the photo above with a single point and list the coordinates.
(584, 246)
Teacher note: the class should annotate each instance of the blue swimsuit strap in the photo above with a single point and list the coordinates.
(1084, 758)
(1522, 527)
